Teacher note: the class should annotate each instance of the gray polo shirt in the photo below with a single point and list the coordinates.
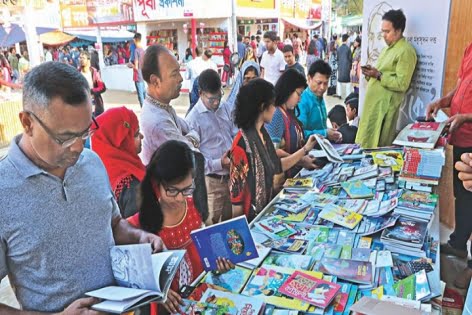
(55, 235)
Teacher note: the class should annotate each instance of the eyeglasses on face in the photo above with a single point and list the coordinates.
(174, 192)
(215, 98)
(65, 143)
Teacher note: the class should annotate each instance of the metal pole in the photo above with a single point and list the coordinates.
(234, 25)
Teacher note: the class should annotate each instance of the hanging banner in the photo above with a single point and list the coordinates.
(302, 8)
(287, 8)
(315, 12)
(426, 30)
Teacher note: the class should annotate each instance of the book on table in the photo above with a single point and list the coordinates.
(420, 135)
(142, 277)
(231, 239)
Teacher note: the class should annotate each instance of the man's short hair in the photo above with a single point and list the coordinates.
(85, 53)
(208, 53)
(345, 37)
(295, 35)
(198, 51)
(239, 37)
(209, 81)
(50, 80)
(287, 48)
(12, 49)
(137, 37)
(271, 35)
(247, 37)
(353, 101)
(337, 115)
(258, 38)
(397, 18)
(321, 67)
(151, 61)
(253, 37)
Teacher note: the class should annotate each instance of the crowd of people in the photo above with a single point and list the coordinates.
(156, 178)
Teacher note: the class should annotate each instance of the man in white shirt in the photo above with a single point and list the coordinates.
(272, 63)
(213, 124)
(197, 66)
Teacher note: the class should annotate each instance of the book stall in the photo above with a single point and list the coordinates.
(360, 233)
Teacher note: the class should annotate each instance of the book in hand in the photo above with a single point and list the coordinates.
(142, 277)
(420, 135)
(230, 239)
(307, 288)
(331, 154)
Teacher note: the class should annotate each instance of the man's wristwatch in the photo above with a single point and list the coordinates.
(379, 76)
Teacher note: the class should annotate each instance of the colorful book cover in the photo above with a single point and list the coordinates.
(405, 288)
(357, 189)
(341, 298)
(376, 224)
(195, 307)
(243, 304)
(351, 299)
(365, 242)
(313, 290)
(418, 200)
(292, 217)
(385, 279)
(306, 183)
(262, 252)
(320, 250)
(333, 236)
(275, 228)
(318, 200)
(393, 159)
(346, 252)
(354, 205)
(230, 239)
(306, 232)
(292, 245)
(265, 283)
(422, 288)
(420, 134)
(340, 216)
(294, 261)
(232, 281)
(350, 270)
(360, 254)
(290, 205)
(406, 230)
(346, 238)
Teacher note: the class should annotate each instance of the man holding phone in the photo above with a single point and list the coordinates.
(460, 130)
(388, 82)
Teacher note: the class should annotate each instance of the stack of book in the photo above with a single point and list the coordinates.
(406, 237)
(420, 135)
(417, 204)
(422, 166)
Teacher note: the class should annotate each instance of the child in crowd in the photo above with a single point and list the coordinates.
(337, 116)
(352, 104)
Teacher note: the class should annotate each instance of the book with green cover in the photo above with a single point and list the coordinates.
(405, 288)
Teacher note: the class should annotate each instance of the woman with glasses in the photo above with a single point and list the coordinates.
(118, 143)
(166, 208)
(254, 161)
(285, 130)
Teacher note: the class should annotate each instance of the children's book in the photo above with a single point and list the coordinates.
(350, 270)
(292, 245)
(341, 216)
(194, 307)
(275, 228)
(306, 232)
(243, 304)
(292, 217)
(232, 280)
(420, 135)
(365, 242)
(422, 288)
(265, 284)
(360, 254)
(346, 238)
(405, 288)
(313, 290)
(376, 224)
(331, 154)
(320, 250)
(354, 205)
(298, 183)
(406, 230)
(289, 261)
(262, 252)
(393, 159)
(357, 189)
(418, 200)
(316, 199)
(290, 205)
(340, 301)
(142, 277)
(230, 239)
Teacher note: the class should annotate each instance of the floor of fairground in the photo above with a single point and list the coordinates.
(450, 266)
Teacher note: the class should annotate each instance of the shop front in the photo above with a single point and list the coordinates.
(300, 17)
(256, 17)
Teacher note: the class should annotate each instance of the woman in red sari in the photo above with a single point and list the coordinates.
(167, 209)
(118, 143)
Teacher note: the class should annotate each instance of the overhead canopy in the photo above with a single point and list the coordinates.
(302, 23)
(14, 33)
(108, 36)
(56, 38)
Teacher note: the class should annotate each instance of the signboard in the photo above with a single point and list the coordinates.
(83, 13)
(259, 4)
(315, 12)
(426, 30)
(152, 10)
(302, 8)
(287, 8)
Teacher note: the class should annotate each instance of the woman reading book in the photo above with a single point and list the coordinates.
(254, 161)
(285, 130)
(166, 208)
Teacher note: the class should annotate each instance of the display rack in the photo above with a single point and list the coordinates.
(210, 38)
(166, 37)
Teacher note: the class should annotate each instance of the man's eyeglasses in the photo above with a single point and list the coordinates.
(216, 98)
(67, 142)
(298, 93)
(174, 192)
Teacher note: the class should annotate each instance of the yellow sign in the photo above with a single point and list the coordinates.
(259, 4)
(302, 8)
(287, 8)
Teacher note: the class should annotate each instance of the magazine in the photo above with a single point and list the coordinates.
(341, 216)
(229, 239)
(142, 277)
(350, 270)
(420, 135)
(331, 154)
(232, 280)
(266, 281)
(313, 290)
(244, 304)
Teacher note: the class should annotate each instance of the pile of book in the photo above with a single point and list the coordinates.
(417, 204)
(422, 167)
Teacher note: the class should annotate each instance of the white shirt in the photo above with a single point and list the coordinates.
(197, 66)
(48, 56)
(273, 64)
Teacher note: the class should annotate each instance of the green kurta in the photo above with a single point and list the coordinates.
(383, 98)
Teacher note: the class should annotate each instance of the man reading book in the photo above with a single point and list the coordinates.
(59, 218)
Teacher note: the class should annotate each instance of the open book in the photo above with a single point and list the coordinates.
(142, 277)
(331, 154)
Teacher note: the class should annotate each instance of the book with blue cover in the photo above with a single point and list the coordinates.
(230, 239)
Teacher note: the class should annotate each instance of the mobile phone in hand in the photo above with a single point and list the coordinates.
(366, 67)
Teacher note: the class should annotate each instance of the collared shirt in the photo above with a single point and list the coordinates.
(273, 64)
(313, 114)
(461, 102)
(215, 131)
(55, 234)
(160, 123)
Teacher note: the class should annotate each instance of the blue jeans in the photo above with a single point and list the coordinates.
(140, 90)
